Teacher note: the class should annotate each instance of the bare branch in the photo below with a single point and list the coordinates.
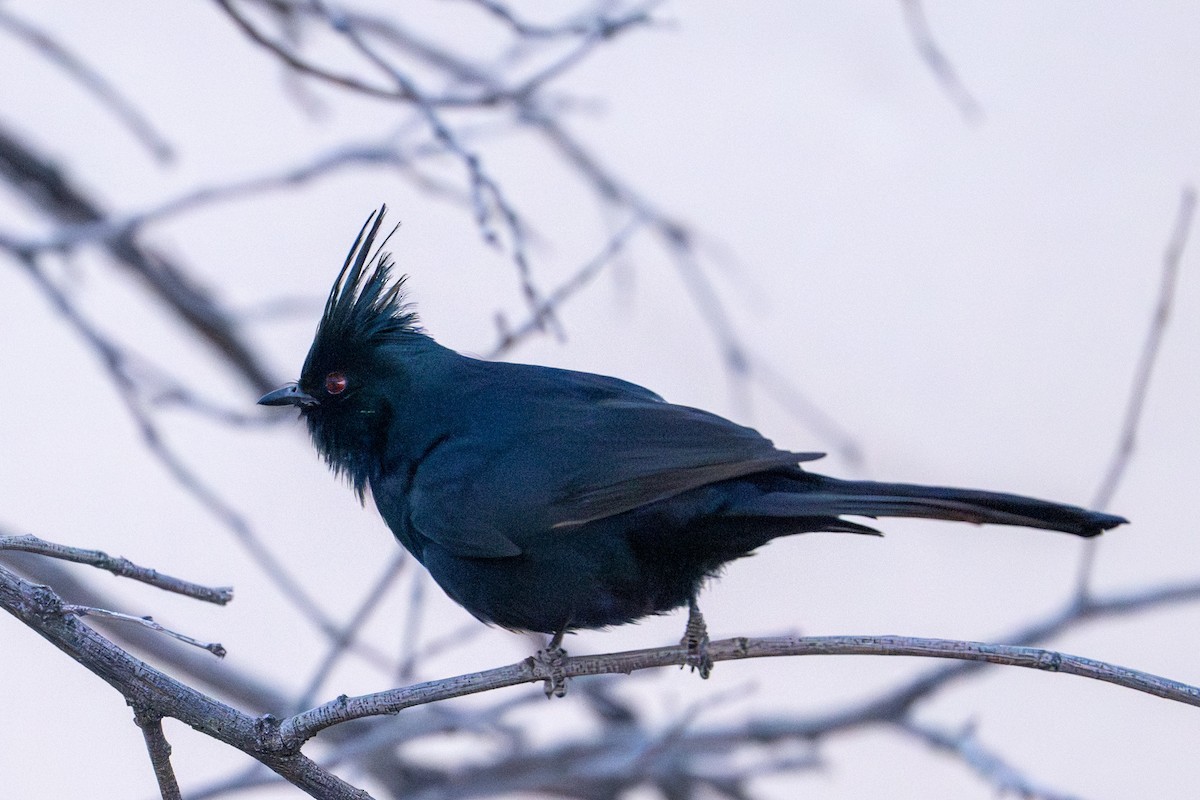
(548, 306)
(938, 63)
(146, 688)
(790, 397)
(35, 177)
(586, 25)
(488, 197)
(1144, 371)
(401, 38)
(990, 766)
(340, 644)
(228, 680)
(216, 648)
(113, 359)
(118, 227)
(304, 726)
(893, 704)
(458, 637)
(90, 79)
(300, 65)
(490, 203)
(123, 567)
(1142, 375)
(160, 753)
(769, 731)
(889, 708)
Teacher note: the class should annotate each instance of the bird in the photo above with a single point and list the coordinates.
(548, 500)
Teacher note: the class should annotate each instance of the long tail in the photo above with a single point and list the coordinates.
(831, 497)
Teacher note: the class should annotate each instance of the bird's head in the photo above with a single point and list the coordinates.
(350, 376)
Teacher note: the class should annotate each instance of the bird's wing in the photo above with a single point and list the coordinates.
(632, 452)
(453, 501)
(543, 450)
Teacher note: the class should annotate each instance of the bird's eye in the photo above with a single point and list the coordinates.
(335, 382)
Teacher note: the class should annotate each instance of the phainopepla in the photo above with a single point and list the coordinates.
(547, 500)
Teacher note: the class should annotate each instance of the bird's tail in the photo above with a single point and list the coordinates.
(832, 497)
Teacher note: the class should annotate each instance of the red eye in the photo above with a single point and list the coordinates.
(335, 382)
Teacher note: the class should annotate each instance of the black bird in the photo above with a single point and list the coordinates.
(547, 500)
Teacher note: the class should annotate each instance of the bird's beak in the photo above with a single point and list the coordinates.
(290, 394)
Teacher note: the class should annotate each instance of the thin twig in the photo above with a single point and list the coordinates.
(1142, 375)
(160, 753)
(991, 767)
(892, 704)
(410, 631)
(549, 306)
(679, 241)
(589, 25)
(358, 619)
(92, 81)
(216, 648)
(589, 40)
(792, 399)
(390, 30)
(489, 198)
(324, 164)
(1144, 371)
(938, 63)
(253, 693)
(300, 65)
(459, 637)
(122, 567)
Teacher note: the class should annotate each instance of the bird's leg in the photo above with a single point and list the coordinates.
(695, 639)
(551, 658)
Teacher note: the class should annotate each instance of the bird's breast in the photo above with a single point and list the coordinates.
(392, 490)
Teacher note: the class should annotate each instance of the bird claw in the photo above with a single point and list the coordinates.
(695, 639)
(698, 658)
(550, 660)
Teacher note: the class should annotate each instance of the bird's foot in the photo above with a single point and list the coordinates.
(695, 639)
(550, 659)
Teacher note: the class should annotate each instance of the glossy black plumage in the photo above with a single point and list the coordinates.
(548, 500)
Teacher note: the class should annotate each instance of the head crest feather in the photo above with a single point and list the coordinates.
(365, 312)
(365, 305)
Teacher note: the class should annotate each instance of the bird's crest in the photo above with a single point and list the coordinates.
(365, 305)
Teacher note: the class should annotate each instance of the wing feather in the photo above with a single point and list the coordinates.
(536, 450)
(656, 450)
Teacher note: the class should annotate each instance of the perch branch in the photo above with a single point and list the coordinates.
(298, 729)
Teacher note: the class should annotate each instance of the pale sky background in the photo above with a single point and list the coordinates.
(967, 299)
